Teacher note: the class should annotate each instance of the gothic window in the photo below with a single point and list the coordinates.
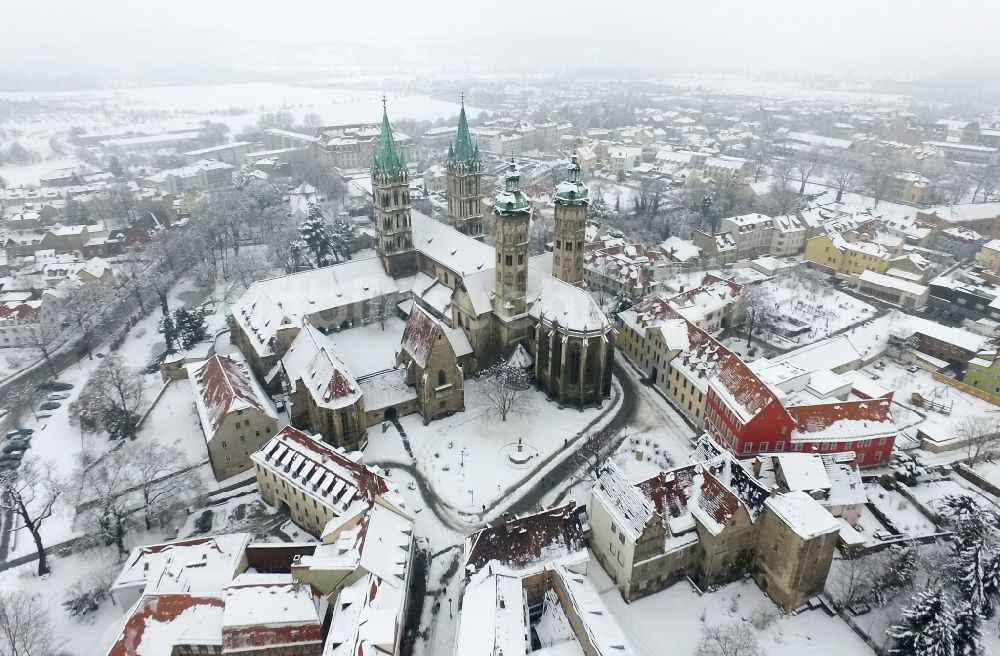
(344, 426)
(508, 259)
(569, 247)
(574, 364)
(395, 198)
(559, 243)
(520, 258)
(385, 200)
(442, 379)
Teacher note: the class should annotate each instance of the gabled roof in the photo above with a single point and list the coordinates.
(160, 622)
(223, 384)
(419, 335)
(312, 360)
(527, 541)
(742, 385)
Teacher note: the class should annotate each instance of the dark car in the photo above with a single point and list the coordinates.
(8, 465)
(49, 405)
(204, 522)
(55, 386)
(12, 457)
(17, 445)
(20, 432)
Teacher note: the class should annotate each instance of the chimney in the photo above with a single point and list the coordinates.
(756, 467)
(508, 522)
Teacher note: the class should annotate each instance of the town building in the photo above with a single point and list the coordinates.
(627, 269)
(983, 373)
(891, 289)
(788, 235)
(713, 522)
(836, 254)
(232, 153)
(236, 415)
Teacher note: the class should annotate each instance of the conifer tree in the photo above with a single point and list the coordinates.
(926, 629)
(317, 236)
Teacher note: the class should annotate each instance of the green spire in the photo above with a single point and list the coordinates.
(572, 191)
(512, 201)
(465, 150)
(387, 158)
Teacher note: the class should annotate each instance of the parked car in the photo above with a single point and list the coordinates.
(49, 405)
(12, 447)
(20, 432)
(55, 386)
(58, 396)
(12, 457)
(204, 522)
(8, 465)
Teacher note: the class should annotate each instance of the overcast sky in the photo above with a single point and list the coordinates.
(793, 34)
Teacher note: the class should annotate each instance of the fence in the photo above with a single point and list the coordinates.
(968, 474)
(968, 389)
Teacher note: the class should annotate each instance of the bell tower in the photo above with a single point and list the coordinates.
(391, 197)
(465, 174)
(513, 214)
(572, 198)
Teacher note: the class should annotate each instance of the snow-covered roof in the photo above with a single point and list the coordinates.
(193, 565)
(223, 384)
(554, 301)
(842, 421)
(312, 360)
(272, 611)
(803, 514)
(492, 621)
(892, 282)
(284, 302)
(521, 543)
(830, 353)
(679, 249)
(386, 388)
(449, 247)
(323, 472)
(803, 471)
(158, 623)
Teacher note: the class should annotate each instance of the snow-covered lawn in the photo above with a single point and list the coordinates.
(671, 621)
(989, 470)
(931, 494)
(81, 636)
(901, 512)
(825, 311)
(465, 457)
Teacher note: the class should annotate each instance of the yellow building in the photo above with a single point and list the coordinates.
(989, 255)
(984, 372)
(849, 258)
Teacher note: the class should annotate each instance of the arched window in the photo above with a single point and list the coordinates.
(574, 364)
(442, 379)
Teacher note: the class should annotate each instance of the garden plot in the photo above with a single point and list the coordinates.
(676, 616)
(903, 514)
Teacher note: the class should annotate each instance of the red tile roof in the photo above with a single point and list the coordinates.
(744, 386)
(671, 492)
(816, 418)
(19, 311)
(527, 540)
(221, 381)
(161, 609)
(419, 335)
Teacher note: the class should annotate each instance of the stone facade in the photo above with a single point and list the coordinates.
(431, 366)
(570, 227)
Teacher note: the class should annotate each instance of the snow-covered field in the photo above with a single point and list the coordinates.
(670, 621)
(901, 512)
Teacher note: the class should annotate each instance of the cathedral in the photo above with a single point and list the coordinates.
(468, 304)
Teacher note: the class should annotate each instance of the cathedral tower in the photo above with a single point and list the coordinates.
(571, 226)
(465, 174)
(391, 196)
(513, 214)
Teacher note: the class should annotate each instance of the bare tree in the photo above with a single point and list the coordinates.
(20, 396)
(30, 493)
(843, 172)
(110, 399)
(783, 170)
(25, 625)
(44, 336)
(105, 483)
(504, 386)
(981, 435)
(879, 171)
(852, 580)
(807, 164)
(380, 309)
(757, 308)
(164, 479)
(734, 639)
